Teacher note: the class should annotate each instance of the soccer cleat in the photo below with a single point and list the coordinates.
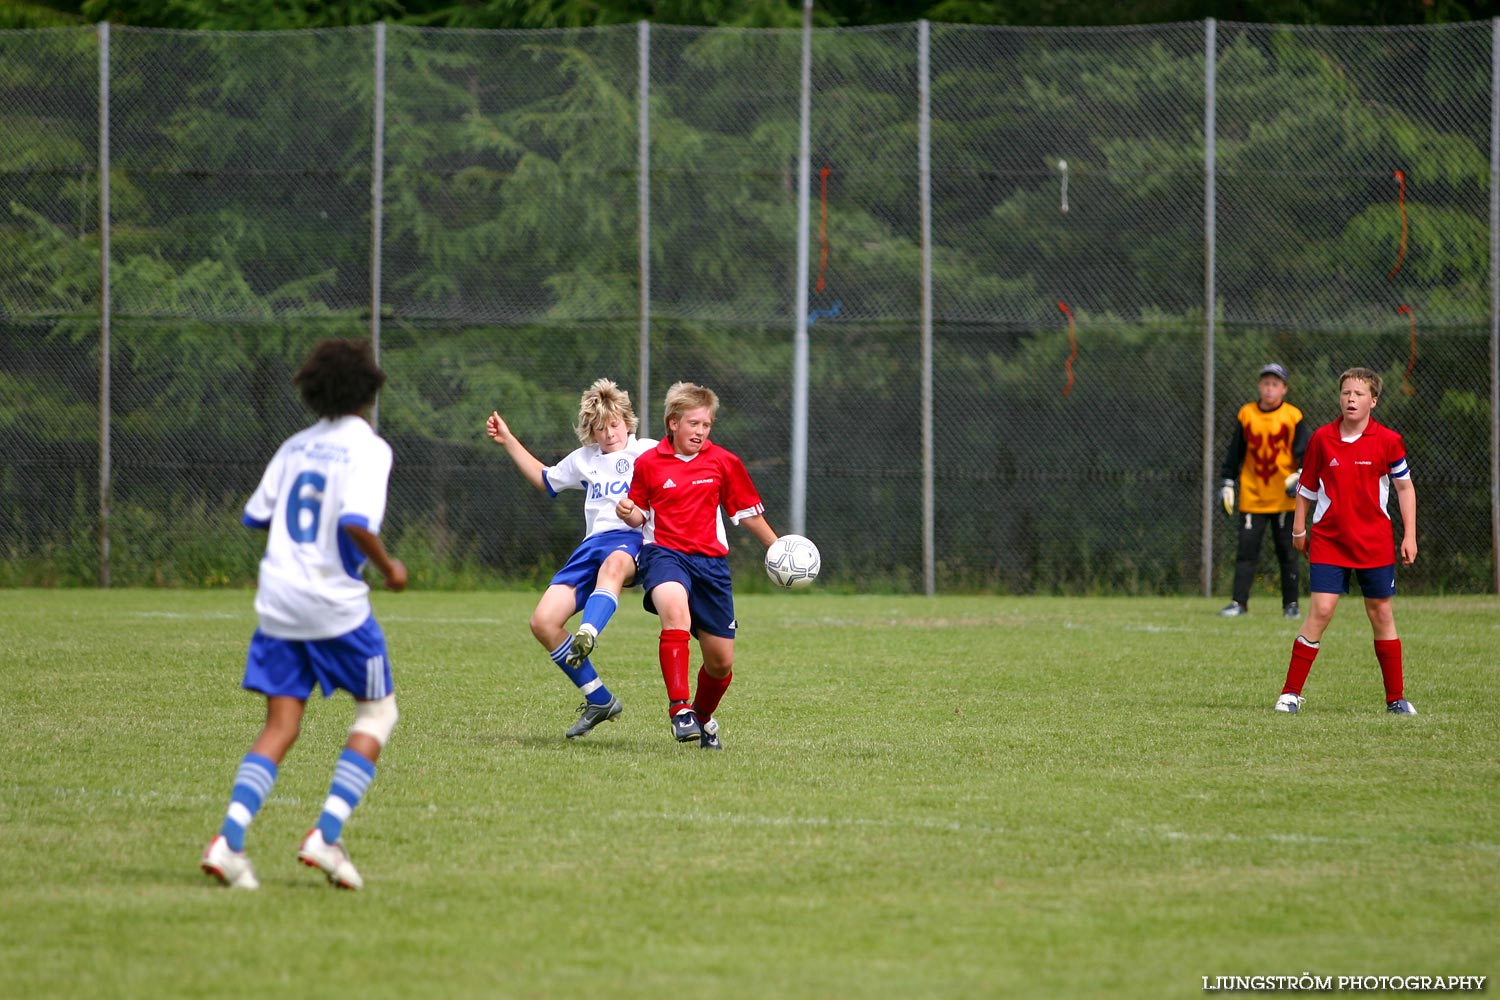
(1291, 611)
(315, 852)
(1234, 610)
(1400, 707)
(685, 726)
(1289, 702)
(709, 740)
(590, 715)
(232, 868)
(584, 641)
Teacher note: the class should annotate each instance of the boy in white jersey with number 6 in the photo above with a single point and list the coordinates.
(321, 502)
(604, 562)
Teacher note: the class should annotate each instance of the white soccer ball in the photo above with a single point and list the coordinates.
(793, 562)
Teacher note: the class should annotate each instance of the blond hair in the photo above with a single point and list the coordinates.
(599, 403)
(1372, 378)
(684, 396)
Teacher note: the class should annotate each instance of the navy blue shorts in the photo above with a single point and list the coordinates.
(706, 579)
(581, 571)
(355, 661)
(1378, 582)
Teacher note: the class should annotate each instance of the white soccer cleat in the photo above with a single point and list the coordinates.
(315, 852)
(232, 868)
(1289, 702)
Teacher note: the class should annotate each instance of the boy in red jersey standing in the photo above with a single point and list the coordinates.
(678, 492)
(1347, 472)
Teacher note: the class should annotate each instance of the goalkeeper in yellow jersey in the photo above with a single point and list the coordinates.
(1262, 465)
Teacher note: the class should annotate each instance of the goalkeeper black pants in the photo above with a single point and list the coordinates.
(1251, 531)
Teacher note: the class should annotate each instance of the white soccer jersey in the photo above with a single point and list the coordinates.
(332, 474)
(606, 479)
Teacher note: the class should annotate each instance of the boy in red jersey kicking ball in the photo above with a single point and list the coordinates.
(676, 496)
(1347, 472)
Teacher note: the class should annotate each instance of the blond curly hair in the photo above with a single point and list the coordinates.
(600, 402)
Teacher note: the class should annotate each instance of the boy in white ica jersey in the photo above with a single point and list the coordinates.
(321, 502)
(604, 562)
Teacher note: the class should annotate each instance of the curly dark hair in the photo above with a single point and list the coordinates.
(339, 377)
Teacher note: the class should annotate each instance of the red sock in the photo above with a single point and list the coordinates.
(674, 655)
(1388, 654)
(1303, 654)
(710, 692)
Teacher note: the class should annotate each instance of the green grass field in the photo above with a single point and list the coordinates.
(953, 797)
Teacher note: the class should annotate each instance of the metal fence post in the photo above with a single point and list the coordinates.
(643, 195)
(924, 212)
(1210, 236)
(104, 307)
(1495, 302)
(798, 484)
(377, 200)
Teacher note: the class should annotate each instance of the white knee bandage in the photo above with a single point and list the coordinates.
(375, 719)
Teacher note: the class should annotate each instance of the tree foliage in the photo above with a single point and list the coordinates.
(241, 233)
(277, 15)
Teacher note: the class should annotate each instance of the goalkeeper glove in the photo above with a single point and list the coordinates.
(1291, 483)
(1226, 497)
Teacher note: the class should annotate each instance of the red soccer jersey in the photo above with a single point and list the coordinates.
(1351, 482)
(682, 499)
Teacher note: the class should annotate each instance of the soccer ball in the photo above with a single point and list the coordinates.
(792, 561)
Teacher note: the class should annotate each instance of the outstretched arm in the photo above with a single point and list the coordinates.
(1299, 443)
(1299, 524)
(758, 526)
(530, 466)
(1406, 499)
(1234, 454)
(394, 570)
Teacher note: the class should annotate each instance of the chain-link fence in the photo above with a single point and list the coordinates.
(1125, 224)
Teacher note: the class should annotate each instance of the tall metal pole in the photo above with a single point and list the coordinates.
(798, 485)
(643, 198)
(377, 200)
(1495, 301)
(924, 211)
(105, 473)
(1210, 239)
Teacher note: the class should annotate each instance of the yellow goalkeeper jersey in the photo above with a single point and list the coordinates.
(1266, 450)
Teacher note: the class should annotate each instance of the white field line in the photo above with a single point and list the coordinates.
(733, 819)
(1170, 836)
(249, 616)
(125, 795)
(810, 822)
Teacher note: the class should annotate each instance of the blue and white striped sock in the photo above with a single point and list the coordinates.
(584, 677)
(351, 779)
(599, 609)
(252, 786)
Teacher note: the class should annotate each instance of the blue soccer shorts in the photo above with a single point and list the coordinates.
(1326, 579)
(581, 571)
(356, 662)
(706, 579)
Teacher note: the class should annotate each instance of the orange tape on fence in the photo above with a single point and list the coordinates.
(1411, 362)
(1072, 343)
(1400, 204)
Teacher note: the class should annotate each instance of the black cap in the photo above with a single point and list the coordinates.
(1273, 369)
